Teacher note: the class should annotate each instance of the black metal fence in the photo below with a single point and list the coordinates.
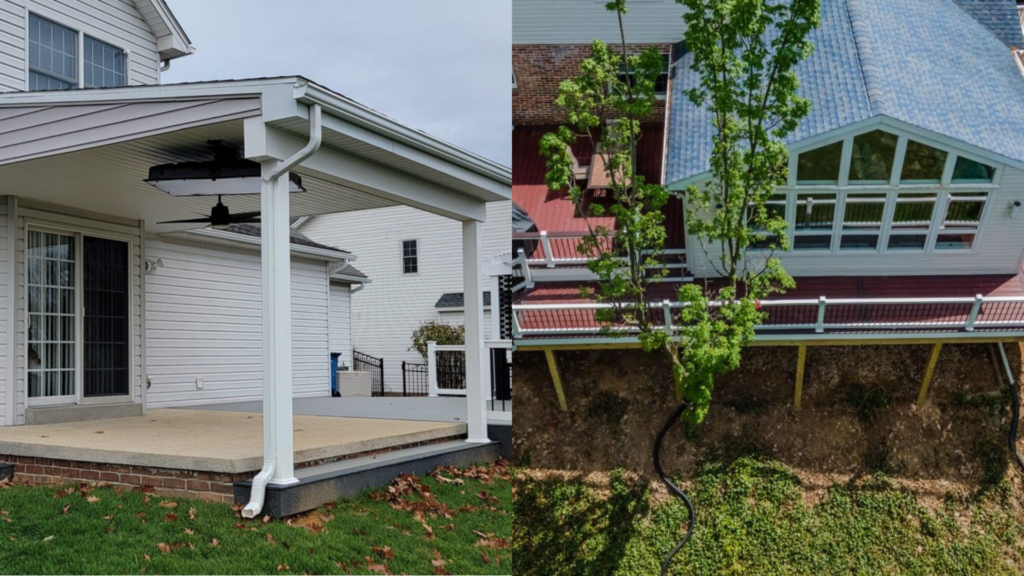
(501, 380)
(375, 366)
(415, 379)
(451, 370)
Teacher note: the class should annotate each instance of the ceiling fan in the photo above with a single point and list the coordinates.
(221, 217)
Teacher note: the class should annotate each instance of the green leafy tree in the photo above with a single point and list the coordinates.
(744, 53)
(439, 332)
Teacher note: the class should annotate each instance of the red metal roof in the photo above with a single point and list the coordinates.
(553, 211)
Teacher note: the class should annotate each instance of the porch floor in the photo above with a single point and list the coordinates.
(213, 441)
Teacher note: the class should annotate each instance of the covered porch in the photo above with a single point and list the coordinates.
(74, 165)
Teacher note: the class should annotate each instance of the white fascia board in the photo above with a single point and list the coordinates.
(130, 94)
(319, 253)
(337, 167)
(350, 111)
(610, 341)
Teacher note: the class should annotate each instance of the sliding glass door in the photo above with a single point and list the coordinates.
(79, 320)
(52, 315)
(106, 319)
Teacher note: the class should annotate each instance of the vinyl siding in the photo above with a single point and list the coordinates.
(999, 248)
(203, 320)
(581, 21)
(340, 321)
(116, 22)
(393, 305)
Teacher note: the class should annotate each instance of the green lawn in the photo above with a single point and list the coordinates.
(417, 526)
(752, 520)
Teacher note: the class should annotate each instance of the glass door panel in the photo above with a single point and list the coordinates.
(106, 320)
(51, 318)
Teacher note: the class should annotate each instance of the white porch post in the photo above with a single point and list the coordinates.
(277, 326)
(472, 289)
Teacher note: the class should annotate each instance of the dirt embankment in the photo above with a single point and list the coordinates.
(858, 415)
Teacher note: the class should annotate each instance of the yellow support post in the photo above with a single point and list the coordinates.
(801, 359)
(556, 378)
(932, 361)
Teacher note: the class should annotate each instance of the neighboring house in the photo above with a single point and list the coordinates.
(414, 259)
(111, 301)
(905, 186)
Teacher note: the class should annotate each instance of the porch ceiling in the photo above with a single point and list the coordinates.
(109, 180)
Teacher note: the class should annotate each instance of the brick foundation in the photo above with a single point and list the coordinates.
(212, 486)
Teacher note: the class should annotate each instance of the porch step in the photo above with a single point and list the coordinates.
(81, 413)
(347, 478)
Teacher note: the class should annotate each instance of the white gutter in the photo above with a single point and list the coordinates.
(259, 483)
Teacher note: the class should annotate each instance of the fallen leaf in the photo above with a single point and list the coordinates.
(48, 538)
(164, 548)
(63, 493)
(281, 567)
(383, 551)
(168, 504)
(270, 539)
(170, 517)
(66, 508)
(108, 517)
(498, 543)
(215, 543)
(92, 499)
(438, 563)
(189, 531)
(191, 513)
(146, 556)
(266, 518)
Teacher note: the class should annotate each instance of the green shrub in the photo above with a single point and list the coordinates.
(443, 334)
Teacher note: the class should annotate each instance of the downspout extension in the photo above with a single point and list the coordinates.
(259, 489)
(259, 483)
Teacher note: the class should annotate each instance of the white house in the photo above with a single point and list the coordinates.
(414, 260)
(111, 300)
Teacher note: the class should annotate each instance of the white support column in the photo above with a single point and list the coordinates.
(477, 378)
(432, 368)
(277, 327)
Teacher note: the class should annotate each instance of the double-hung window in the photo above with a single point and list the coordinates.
(52, 55)
(410, 257)
(54, 59)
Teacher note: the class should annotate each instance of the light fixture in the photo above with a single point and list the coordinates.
(1014, 209)
(227, 174)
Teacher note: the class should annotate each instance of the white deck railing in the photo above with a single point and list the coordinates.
(556, 252)
(807, 315)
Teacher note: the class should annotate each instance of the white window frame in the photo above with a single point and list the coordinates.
(843, 189)
(78, 397)
(401, 251)
(54, 17)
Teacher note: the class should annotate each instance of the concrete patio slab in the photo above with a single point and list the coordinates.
(214, 441)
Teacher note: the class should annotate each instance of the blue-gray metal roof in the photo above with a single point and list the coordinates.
(930, 64)
(999, 16)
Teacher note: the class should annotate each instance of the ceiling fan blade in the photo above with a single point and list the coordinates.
(192, 221)
(245, 220)
(255, 214)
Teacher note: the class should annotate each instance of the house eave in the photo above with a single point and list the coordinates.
(223, 236)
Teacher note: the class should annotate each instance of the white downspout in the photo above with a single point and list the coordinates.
(259, 483)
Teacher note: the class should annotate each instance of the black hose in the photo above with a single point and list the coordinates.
(1011, 438)
(672, 487)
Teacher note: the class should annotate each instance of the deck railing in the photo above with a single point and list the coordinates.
(446, 372)
(539, 252)
(799, 316)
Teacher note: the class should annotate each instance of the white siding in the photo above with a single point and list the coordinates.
(340, 323)
(393, 305)
(203, 317)
(581, 21)
(116, 22)
(999, 248)
(457, 317)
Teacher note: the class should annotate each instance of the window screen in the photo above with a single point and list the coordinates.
(104, 65)
(52, 55)
(410, 257)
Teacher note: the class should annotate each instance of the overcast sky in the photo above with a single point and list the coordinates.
(442, 66)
